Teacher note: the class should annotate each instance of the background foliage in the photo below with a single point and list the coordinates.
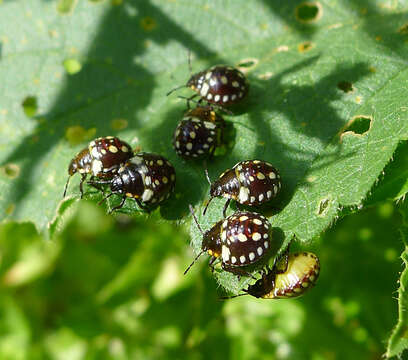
(326, 107)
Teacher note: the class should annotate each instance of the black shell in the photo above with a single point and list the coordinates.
(300, 274)
(252, 182)
(221, 85)
(199, 133)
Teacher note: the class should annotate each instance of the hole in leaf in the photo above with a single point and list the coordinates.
(65, 7)
(148, 23)
(10, 170)
(10, 209)
(306, 46)
(119, 124)
(247, 63)
(323, 206)
(30, 106)
(72, 66)
(309, 12)
(358, 125)
(345, 86)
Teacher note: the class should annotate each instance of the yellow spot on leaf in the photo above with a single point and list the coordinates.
(10, 209)
(119, 124)
(65, 7)
(77, 134)
(72, 66)
(10, 171)
(305, 46)
(148, 23)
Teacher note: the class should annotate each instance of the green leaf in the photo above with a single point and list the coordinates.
(398, 341)
(394, 184)
(25, 255)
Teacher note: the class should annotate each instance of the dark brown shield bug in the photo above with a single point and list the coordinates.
(252, 182)
(199, 133)
(219, 85)
(102, 158)
(148, 178)
(239, 240)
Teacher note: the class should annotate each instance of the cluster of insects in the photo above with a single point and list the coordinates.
(146, 177)
(237, 241)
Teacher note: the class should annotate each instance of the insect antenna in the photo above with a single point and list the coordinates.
(189, 68)
(231, 297)
(66, 186)
(202, 232)
(176, 88)
(209, 181)
(195, 219)
(105, 198)
(196, 258)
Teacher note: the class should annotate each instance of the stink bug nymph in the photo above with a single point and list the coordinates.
(101, 159)
(240, 240)
(252, 183)
(199, 133)
(147, 178)
(290, 277)
(219, 85)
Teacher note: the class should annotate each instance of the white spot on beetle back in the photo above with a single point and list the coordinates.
(96, 167)
(204, 90)
(256, 236)
(147, 195)
(225, 253)
(243, 194)
(242, 237)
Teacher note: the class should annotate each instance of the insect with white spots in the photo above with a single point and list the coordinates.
(219, 85)
(199, 133)
(252, 182)
(147, 178)
(240, 240)
(101, 159)
(288, 278)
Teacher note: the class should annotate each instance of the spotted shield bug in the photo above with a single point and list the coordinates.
(219, 85)
(102, 158)
(148, 178)
(240, 240)
(199, 133)
(288, 278)
(252, 182)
